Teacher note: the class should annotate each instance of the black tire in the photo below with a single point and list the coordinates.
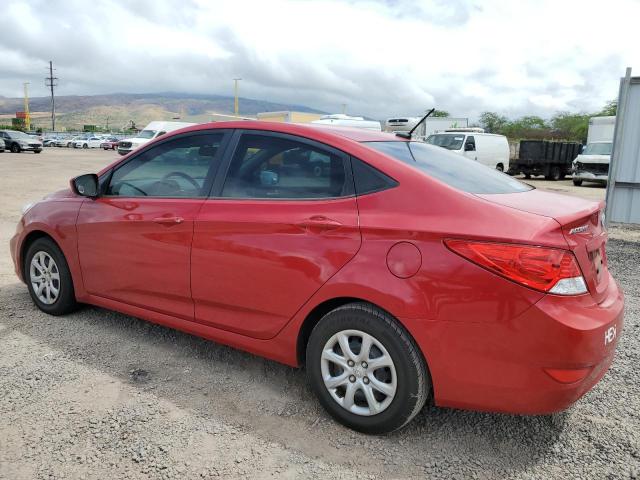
(500, 167)
(66, 300)
(15, 148)
(577, 182)
(412, 377)
(85, 146)
(527, 176)
(37, 151)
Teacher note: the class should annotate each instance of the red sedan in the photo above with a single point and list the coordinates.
(396, 271)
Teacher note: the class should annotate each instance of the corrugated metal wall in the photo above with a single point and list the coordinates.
(623, 192)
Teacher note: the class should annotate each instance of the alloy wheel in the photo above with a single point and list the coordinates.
(45, 277)
(358, 372)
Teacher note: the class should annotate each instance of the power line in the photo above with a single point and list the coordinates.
(51, 82)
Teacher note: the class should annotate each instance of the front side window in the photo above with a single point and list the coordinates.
(275, 167)
(470, 144)
(178, 168)
(453, 169)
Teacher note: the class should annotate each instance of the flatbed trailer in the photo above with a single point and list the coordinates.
(543, 157)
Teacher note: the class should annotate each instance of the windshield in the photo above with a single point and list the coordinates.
(146, 134)
(455, 170)
(603, 148)
(448, 141)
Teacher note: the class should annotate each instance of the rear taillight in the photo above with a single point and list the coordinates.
(546, 269)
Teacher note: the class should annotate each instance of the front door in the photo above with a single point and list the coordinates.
(283, 222)
(134, 241)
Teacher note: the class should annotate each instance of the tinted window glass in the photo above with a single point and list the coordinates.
(274, 167)
(454, 170)
(177, 168)
(369, 179)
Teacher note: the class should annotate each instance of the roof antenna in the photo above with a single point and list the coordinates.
(408, 135)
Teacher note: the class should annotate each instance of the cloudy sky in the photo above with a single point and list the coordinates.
(381, 58)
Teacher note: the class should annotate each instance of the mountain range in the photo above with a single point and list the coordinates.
(117, 109)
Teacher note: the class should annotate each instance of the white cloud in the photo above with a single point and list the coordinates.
(381, 58)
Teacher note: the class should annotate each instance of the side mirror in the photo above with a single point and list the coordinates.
(85, 185)
(469, 147)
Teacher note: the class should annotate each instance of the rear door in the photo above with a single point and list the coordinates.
(134, 242)
(279, 224)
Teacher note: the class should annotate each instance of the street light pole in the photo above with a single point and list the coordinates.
(235, 89)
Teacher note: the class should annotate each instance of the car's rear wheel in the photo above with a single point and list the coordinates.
(48, 278)
(366, 370)
(577, 182)
(15, 148)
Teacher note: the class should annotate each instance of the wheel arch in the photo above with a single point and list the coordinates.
(31, 237)
(320, 310)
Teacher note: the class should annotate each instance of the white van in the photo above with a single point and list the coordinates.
(487, 148)
(151, 131)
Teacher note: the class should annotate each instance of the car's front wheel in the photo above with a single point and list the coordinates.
(366, 370)
(15, 148)
(48, 277)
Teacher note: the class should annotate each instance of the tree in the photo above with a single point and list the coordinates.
(570, 126)
(610, 109)
(440, 113)
(492, 122)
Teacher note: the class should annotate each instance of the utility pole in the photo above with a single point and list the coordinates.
(27, 117)
(235, 89)
(51, 82)
(344, 108)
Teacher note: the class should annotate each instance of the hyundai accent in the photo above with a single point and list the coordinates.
(396, 272)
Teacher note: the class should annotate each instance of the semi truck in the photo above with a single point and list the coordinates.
(592, 165)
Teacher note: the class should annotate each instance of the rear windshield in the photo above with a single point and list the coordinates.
(453, 169)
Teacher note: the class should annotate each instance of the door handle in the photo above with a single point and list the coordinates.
(168, 220)
(319, 222)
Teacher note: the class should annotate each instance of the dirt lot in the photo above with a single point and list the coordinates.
(101, 395)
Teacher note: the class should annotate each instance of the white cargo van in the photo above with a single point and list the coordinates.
(486, 148)
(151, 131)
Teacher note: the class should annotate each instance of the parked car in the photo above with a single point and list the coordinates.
(20, 142)
(486, 148)
(69, 141)
(150, 132)
(2, 147)
(92, 141)
(110, 143)
(400, 273)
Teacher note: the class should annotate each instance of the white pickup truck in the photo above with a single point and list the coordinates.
(592, 165)
(151, 131)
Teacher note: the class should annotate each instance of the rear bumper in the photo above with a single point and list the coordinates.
(504, 367)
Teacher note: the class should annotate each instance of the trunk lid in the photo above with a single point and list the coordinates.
(582, 226)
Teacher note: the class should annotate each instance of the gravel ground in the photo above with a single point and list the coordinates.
(101, 395)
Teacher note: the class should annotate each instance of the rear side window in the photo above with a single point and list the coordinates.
(369, 179)
(266, 166)
(455, 170)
